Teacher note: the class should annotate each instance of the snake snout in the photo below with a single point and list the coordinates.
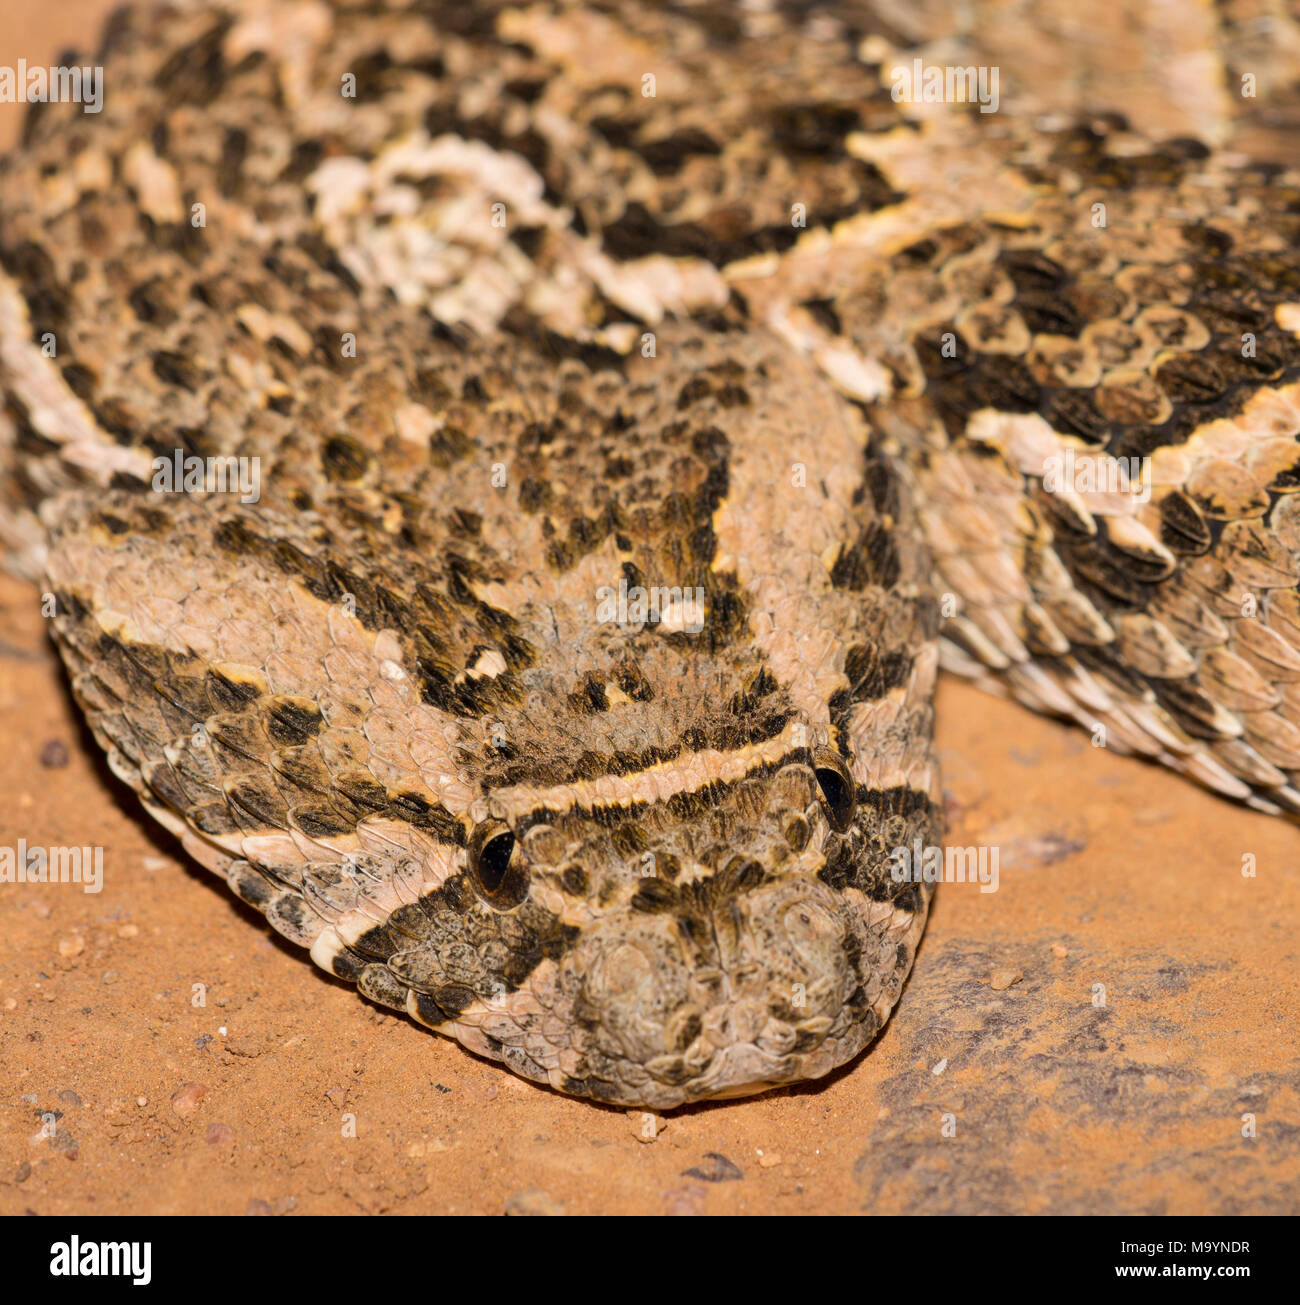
(721, 1001)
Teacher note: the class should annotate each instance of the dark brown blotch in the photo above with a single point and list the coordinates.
(256, 803)
(344, 459)
(590, 697)
(175, 369)
(227, 694)
(195, 73)
(292, 721)
(432, 817)
(1183, 528)
(320, 821)
(654, 896)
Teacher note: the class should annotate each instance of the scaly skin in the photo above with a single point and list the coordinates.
(511, 327)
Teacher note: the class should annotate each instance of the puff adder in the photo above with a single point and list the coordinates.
(520, 311)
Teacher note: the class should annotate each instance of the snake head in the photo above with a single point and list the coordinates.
(712, 943)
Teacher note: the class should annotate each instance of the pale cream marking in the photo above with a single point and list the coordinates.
(444, 253)
(522, 1019)
(656, 285)
(848, 369)
(773, 531)
(592, 49)
(384, 896)
(264, 327)
(415, 424)
(1269, 412)
(54, 411)
(657, 783)
(408, 737)
(290, 34)
(156, 185)
(488, 666)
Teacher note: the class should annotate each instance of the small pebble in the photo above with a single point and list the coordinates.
(155, 863)
(247, 1045)
(24, 1172)
(109, 977)
(11, 1003)
(73, 946)
(128, 931)
(219, 1134)
(69, 1097)
(768, 1159)
(186, 1100)
(1003, 977)
(258, 1207)
(1060, 952)
(54, 754)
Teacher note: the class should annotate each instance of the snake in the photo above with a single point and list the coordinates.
(504, 479)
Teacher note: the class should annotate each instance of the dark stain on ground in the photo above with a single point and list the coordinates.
(1015, 1059)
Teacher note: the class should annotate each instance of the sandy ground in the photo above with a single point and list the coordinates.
(162, 1051)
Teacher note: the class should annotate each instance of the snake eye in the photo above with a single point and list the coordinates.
(838, 789)
(497, 874)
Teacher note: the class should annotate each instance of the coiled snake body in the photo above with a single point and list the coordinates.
(635, 407)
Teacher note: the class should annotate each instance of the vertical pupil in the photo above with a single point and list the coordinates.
(839, 797)
(494, 859)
